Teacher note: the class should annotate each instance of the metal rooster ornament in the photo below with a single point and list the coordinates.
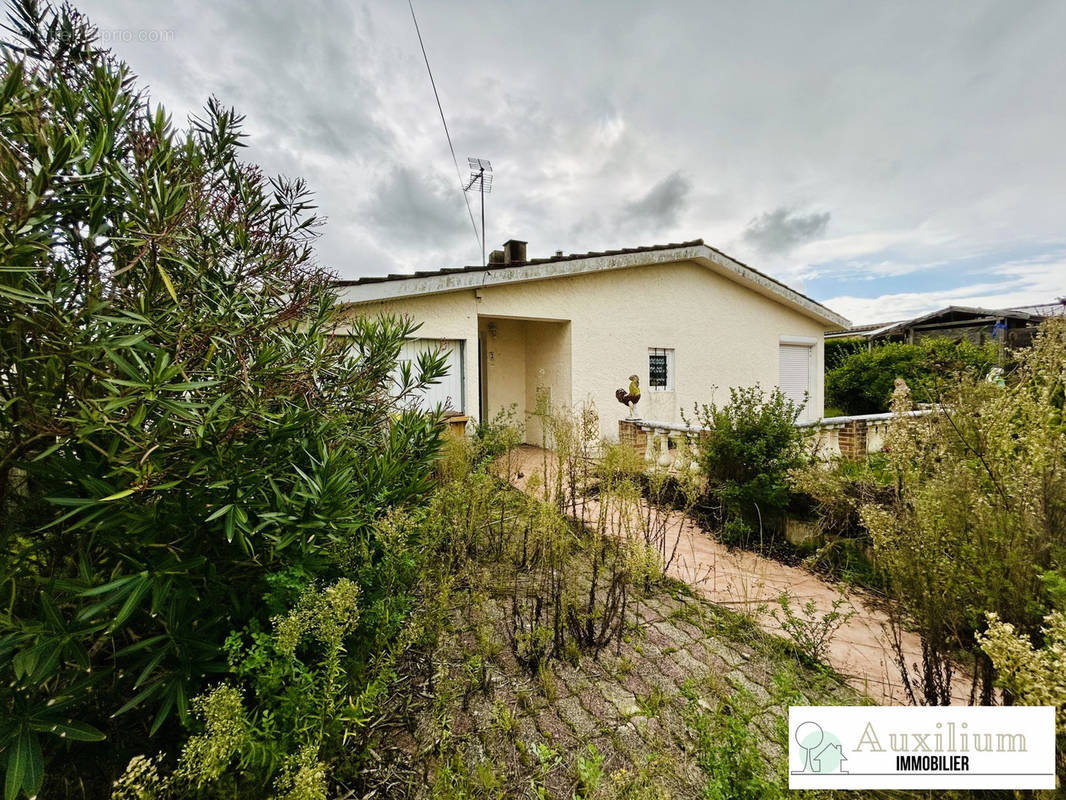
(632, 397)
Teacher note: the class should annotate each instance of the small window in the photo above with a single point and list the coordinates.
(660, 369)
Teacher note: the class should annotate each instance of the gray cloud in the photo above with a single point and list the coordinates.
(780, 230)
(420, 208)
(902, 118)
(662, 204)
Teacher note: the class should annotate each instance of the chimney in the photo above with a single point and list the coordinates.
(496, 257)
(514, 252)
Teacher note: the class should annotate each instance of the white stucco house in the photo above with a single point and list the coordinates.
(685, 318)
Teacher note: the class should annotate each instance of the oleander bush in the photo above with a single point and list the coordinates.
(186, 448)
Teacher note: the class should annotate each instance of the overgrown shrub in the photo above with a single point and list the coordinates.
(834, 493)
(553, 549)
(838, 350)
(498, 437)
(181, 435)
(747, 448)
(810, 631)
(977, 521)
(1032, 676)
(838, 490)
(862, 381)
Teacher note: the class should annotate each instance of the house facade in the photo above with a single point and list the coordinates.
(688, 320)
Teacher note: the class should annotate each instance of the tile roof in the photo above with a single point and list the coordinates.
(401, 276)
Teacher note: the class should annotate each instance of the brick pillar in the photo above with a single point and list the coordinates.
(852, 439)
(630, 433)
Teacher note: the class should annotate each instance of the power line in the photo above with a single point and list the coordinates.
(440, 108)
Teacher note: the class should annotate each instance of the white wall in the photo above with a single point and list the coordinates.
(723, 334)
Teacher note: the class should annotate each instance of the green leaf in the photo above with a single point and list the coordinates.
(107, 587)
(25, 766)
(117, 495)
(137, 699)
(132, 602)
(166, 280)
(220, 512)
(78, 731)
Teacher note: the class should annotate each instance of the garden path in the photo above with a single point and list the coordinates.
(861, 650)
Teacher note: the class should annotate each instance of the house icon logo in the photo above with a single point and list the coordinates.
(821, 750)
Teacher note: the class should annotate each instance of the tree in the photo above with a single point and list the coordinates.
(184, 442)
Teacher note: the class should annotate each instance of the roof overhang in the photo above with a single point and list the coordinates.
(974, 313)
(701, 254)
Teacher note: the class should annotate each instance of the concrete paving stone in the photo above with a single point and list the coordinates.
(670, 632)
(555, 730)
(635, 684)
(621, 699)
(565, 673)
(652, 674)
(593, 702)
(741, 681)
(526, 729)
(720, 650)
(575, 715)
(687, 629)
(658, 605)
(630, 744)
(670, 668)
(694, 667)
(652, 729)
(659, 640)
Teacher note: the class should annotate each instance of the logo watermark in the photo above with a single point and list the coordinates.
(128, 35)
(921, 747)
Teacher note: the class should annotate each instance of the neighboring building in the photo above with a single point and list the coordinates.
(685, 318)
(1013, 327)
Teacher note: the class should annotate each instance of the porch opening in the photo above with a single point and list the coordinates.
(525, 363)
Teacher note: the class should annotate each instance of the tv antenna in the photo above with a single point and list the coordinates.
(480, 181)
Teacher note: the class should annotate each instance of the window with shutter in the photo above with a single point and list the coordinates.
(795, 381)
(448, 392)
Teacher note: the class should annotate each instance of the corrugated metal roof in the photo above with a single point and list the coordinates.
(1017, 312)
(1043, 309)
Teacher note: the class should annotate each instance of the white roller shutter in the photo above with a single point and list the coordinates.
(449, 391)
(796, 374)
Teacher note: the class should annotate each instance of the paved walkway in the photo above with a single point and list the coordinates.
(861, 650)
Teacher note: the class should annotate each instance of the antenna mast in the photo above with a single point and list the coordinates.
(481, 181)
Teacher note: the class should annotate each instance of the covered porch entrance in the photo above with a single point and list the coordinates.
(523, 363)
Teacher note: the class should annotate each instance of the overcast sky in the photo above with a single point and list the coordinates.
(885, 158)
